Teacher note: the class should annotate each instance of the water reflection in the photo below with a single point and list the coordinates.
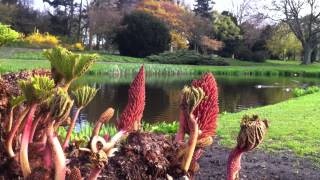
(162, 94)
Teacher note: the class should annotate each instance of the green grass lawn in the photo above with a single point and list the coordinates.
(270, 68)
(294, 126)
(14, 59)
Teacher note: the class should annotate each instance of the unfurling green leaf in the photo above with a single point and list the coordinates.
(61, 105)
(16, 101)
(67, 64)
(84, 95)
(37, 88)
(192, 96)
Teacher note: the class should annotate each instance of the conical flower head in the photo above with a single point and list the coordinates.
(37, 88)
(67, 64)
(251, 133)
(84, 95)
(207, 111)
(133, 112)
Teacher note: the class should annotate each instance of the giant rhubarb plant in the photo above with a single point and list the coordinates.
(130, 120)
(60, 110)
(250, 136)
(83, 97)
(198, 115)
(66, 66)
(35, 90)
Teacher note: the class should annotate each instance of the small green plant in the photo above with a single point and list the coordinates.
(7, 35)
(297, 92)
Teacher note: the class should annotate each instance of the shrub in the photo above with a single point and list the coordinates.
(7, 34)
(297, 92)
(78, 46)
(39, 40)
(260, 56)
(143, 35)
(186, 57)
(246, 54)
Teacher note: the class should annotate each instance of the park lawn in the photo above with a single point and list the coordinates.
(269, 68)
(293, 125)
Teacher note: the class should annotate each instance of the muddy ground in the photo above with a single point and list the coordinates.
(257, 165)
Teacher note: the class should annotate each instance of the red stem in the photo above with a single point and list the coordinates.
(47, 157)
(57, 153)
(94, 173)
(34, 127)
(14, 131)
(9, 125)
(72, 125)
(234, 164)
(24, 161)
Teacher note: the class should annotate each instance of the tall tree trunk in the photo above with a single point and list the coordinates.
(307, 52)
(79, 23)
(317, 54)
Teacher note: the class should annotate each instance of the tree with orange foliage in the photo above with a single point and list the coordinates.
(172, 15)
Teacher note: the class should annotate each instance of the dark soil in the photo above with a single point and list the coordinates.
(257, 165)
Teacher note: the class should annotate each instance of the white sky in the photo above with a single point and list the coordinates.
(220, 5)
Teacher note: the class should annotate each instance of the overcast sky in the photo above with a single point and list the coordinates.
(220, 5)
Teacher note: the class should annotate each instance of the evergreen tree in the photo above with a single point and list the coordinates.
(203, 8)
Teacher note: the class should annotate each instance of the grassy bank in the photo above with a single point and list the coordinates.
(294, 126)
(270, 68)
(17, 59)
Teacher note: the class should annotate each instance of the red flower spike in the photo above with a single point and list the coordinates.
(207, 111)
(130, 119)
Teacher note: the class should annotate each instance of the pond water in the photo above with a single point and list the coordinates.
(162, 94)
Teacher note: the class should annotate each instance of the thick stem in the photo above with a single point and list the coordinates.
(72, 125)
(34, 127)
(24, 161)
(94, 173)
(307, 54)
(234, 165)
(181, 132)
(114, 140)
(57, 153)
(194, 132)
(14, 131)
(47, 157)
(9, 125)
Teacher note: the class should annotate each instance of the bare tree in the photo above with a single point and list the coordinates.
(244, 9)
(303, 18)
(103, 21)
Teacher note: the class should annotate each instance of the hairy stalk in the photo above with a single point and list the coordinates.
(47, 157)
(34, 127)
(72, 125)
(94, 173)
(115, 139)
(57, 153)
(234, 164)
(14, 131)
(24, 161)
(181, 131)
(104, 118)
(194, 131)
(9, 125)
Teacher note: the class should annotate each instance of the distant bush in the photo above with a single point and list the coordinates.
(7, 35)
(142, 35)
(246, 54)
(260, 56)
(39, 40)
(297, 92)
(186, 57)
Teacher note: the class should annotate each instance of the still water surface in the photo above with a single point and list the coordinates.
(162, 94)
